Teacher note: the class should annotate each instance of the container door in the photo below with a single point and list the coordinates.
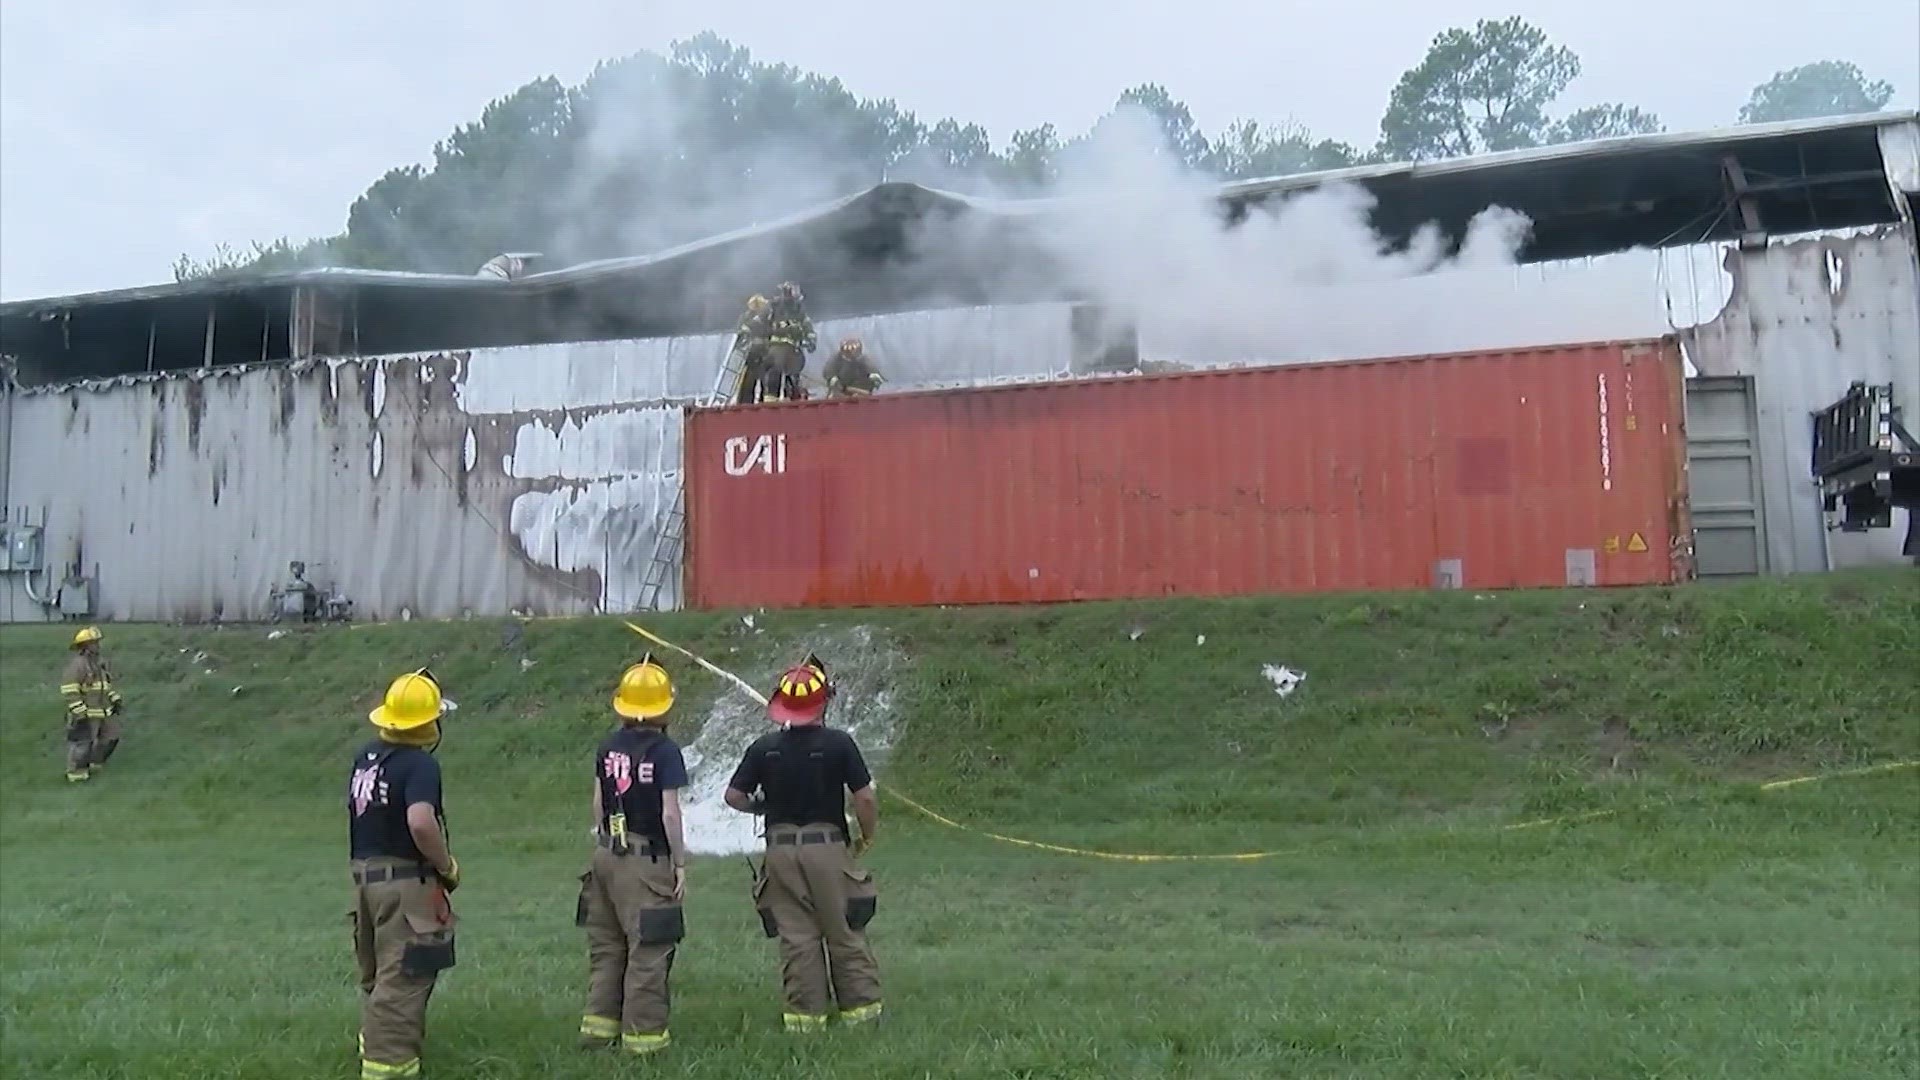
(1723, 473)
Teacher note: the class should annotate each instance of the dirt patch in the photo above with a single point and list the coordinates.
(1641, 953)
(1615, 748)
(1291, 924)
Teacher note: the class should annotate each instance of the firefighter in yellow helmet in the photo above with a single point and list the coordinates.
(851, 372)
(750, 341)
(93, 707)
(811, 893)
(403, 871)
(631, 894)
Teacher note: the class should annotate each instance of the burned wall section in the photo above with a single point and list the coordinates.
(1808, 317)
(526, 480)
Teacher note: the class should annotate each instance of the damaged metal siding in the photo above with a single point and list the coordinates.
(1806, 318)
(502, 480)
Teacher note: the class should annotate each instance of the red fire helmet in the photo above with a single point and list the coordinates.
(802, 695)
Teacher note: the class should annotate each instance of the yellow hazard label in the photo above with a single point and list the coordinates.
(1612, 545)
(1635, 543)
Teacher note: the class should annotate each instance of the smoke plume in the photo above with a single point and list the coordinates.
(1125, 226)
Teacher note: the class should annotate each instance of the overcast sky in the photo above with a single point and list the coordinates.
(133, 131)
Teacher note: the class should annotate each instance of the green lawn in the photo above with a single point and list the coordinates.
(184, 915)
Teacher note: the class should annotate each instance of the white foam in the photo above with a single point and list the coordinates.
(863, 668)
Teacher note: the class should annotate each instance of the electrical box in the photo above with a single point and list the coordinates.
(23, 548)
(76, 597)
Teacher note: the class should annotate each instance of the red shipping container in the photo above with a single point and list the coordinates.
(1539, 467)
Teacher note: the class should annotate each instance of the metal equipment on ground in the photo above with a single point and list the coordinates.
(1867, 463)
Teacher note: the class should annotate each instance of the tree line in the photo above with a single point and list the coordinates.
(548, 157)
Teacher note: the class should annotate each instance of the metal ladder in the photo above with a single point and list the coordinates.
(672, 526)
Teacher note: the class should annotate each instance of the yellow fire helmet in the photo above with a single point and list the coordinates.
(87, 636)
(756, 302)
(413, 700)
(645, 691)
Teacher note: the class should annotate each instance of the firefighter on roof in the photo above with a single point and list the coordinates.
(790, 338)
(631, 894)
(93, 707)
(403, 922)
(750, 341)
(810, 892)
(850, 373)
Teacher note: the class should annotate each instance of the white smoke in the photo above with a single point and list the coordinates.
(1126, 227)
(1300, 279)
(864, 668)
(661, 164)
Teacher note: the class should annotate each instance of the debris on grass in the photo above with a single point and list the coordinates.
(1285, 680)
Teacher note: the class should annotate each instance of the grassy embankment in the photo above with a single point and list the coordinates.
(184, 914)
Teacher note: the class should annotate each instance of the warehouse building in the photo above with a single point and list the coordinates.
(434, 446)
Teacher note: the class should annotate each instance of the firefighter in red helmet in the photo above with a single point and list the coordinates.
(810, 892)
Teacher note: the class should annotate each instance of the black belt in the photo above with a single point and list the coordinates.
(653, 850)
(376, 874)
(785, 839)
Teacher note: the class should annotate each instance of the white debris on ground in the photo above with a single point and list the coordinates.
(276, 635)
(1285, 680)
(864, 667)
(1201, 640)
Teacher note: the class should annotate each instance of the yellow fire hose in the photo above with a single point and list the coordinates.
(1243, 856)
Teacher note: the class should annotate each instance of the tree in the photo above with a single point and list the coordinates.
(1603, 122)
(1180, 135)
(1488, 89)
(280, 255)
(655, 150)
(1031, 157)
(1826, 88)
(1248, 150)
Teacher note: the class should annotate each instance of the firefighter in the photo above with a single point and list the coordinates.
(790, 337)
(403, 923)
(631, 894)
(850, 373)
(750, 341)
(810, 892)
(93, 707)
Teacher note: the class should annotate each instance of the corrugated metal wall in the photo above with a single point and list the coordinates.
(532, 478)
(1502, 470)
(1808, 317)
(487, 482)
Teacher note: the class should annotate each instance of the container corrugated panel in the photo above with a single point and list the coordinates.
(1543, 467)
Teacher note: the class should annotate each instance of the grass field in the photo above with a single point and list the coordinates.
(184, 915)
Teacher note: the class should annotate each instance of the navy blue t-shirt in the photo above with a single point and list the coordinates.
(634, 765)
(386, 779)
(805, 772)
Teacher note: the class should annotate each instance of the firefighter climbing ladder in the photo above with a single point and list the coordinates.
(672, 526)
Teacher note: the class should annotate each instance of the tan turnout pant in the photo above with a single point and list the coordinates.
(403, 930)
(634, 925)
(90, 742)
(804, 890)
